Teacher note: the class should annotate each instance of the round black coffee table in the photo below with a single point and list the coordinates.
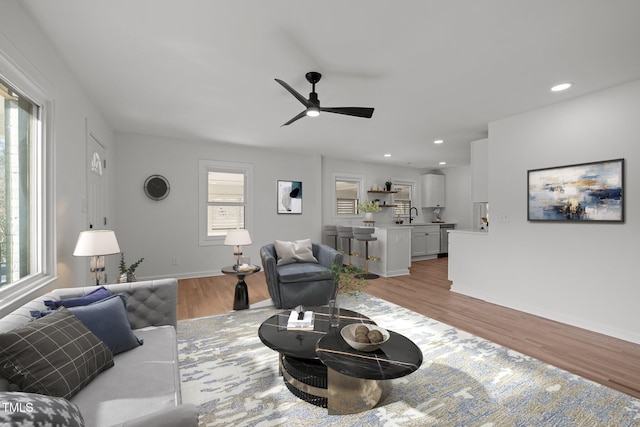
(319, 367)
(357, 378)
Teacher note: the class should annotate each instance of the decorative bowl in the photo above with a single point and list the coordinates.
(348, 334)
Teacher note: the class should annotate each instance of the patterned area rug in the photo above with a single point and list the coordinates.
(464, 380)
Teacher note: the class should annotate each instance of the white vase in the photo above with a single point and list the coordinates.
(368, 216)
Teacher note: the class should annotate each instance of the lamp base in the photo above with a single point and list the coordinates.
(97, 269)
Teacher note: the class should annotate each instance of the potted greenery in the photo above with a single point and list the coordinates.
(127, 274)
(349, 280)
(368, 207)
(387, 185)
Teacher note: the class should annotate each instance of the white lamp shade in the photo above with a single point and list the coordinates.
(237, 238)
(96, 242)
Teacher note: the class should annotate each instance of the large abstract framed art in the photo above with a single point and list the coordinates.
(289, 197)
(587, 192)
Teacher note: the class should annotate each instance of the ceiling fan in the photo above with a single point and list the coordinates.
(313, 103)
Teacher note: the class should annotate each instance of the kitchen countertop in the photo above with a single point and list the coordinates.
(416, 224)
(405, 225)
(388, 226)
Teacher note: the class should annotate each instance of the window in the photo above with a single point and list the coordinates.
(347, 190)
(346, 197)
(225, 199)
(23, 254)
(402, 199)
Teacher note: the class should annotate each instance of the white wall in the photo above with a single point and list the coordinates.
(578, 273)
(459, 208)
(26, 51)
(166, 229)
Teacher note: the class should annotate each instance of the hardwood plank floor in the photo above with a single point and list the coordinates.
(609, 361)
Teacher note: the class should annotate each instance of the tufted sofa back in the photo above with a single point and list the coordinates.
(149, 303)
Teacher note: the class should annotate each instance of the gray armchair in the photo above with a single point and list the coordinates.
(303, 283)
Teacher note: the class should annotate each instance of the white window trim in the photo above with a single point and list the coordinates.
(204, 166)
(338, 176)
(43, 211)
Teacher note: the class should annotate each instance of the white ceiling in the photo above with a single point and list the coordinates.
(205, 69)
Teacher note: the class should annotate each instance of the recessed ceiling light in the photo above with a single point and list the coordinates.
(442, 163)
(561, 86)
(387, 155)
(438, 141)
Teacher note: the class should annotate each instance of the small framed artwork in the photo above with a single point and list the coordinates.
(289, 197)
(586, 192)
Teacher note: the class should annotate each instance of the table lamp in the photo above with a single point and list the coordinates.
(237, 238)
(96, 244)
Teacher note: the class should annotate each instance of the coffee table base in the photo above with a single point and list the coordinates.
(341, 394)
(306, 379)
(350, 395)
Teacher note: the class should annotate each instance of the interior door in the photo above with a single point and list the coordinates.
(96, 183)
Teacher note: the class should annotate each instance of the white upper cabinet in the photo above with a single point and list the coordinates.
(432, 190)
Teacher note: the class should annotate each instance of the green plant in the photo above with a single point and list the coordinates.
(128, 270)
(347, 278)
(369, 206)
(387, 184)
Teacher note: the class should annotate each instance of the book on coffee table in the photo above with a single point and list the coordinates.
(305, 324)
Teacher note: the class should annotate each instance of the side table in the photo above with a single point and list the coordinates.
(241, 297)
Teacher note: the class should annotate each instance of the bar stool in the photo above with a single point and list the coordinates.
(332, 231)
(364, 234)
(346, 233)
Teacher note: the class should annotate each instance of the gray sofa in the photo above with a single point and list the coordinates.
(143, 386)
(305, 283)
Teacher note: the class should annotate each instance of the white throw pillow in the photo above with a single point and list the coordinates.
(296, 251)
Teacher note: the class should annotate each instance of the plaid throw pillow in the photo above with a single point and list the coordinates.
(27, 409)
(55, 355)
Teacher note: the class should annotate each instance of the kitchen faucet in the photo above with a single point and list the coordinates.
(411, 210)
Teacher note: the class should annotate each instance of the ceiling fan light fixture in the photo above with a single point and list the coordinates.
(561, 86)
(313, 103)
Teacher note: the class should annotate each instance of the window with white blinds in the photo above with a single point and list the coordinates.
(402, 199)
(347, 193)
(225, 199)
(225, 202)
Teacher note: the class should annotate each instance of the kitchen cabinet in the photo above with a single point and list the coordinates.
(425, 240)
(432, 191)
(394, 249)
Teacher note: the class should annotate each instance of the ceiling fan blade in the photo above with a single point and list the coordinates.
(299, 116)
(350, 111)
(295, 93)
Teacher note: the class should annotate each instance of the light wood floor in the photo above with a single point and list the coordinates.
(609, 361)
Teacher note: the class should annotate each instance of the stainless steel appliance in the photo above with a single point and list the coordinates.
(444, 237)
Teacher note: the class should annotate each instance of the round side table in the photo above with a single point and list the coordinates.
(241, 297)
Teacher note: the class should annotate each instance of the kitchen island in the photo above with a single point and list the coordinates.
(393, 247)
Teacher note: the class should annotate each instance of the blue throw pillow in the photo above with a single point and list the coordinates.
(107, 319)
(91, 297)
